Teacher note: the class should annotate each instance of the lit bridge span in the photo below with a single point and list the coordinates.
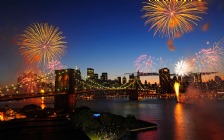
(64, 84)
(94, 92)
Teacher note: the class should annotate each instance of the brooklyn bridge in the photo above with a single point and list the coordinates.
(66, 87)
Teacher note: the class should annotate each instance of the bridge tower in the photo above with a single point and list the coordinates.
(133, 94)
(64, 83)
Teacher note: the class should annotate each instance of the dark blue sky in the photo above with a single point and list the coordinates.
(107, 35)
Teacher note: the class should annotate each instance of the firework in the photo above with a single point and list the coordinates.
(31, 82)
(42, 43)
(211, 59)
(145, 63)
(183, 67)
(28, 82)
(173, 17)
(55, 65)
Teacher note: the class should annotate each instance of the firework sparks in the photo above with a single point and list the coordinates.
(211, 59)
(183, 67)
(28, 82)
(55, 65)
(173, 17)
(145, 63)
(42, 43)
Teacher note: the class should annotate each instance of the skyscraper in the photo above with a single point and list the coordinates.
(77, 74)
(164, 80)
(119, 80)
(96, 77)
(90, 73)
(131, 77)
(78, 79)
(124, 80)
(104, 77)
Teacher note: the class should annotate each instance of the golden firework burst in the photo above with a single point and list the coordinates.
(42, 43)
(173, 17)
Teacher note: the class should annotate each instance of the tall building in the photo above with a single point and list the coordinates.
(90, 73)
(104, 77)
(124, 80)
(131, 77)
(119, 80)
(77, 74)
(164, 80)
(78, 79)
(138, 75)
(96, 77)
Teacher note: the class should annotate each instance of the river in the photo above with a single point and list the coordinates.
(199, 120)
(176, 121)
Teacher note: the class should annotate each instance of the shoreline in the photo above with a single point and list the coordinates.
(143, 128)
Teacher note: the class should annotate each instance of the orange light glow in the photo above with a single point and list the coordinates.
(176, 88)
(42, 91)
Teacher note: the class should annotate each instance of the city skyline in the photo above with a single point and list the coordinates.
(107, 36)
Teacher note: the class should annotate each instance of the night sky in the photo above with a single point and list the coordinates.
(106, 35)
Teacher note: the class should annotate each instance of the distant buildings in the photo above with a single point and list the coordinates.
(67, 80)
(197, 79)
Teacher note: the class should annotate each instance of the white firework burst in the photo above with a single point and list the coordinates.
(183, 68)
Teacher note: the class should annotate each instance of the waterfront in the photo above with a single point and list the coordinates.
(176, 121)
(188, 120)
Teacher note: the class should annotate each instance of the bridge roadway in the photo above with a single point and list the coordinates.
(11, 97)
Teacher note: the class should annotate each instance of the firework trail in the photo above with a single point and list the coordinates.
(173, 18)
(145, 63)
(211, 59)
(42, 43)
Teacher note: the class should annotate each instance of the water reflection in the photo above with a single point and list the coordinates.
(41, 101)
(178, 122)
